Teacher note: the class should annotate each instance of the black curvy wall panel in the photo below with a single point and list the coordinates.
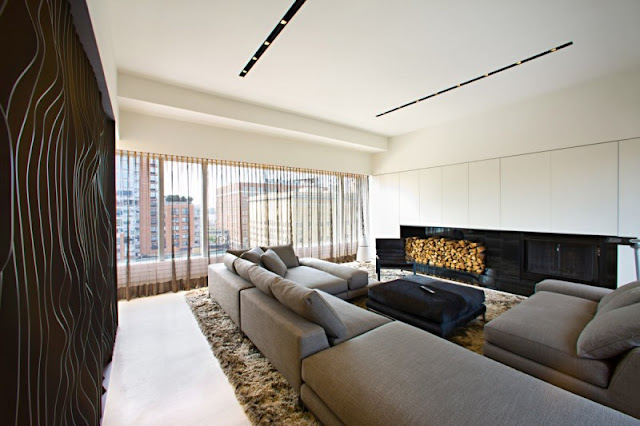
(58, 311)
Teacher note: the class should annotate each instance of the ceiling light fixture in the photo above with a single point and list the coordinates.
(546, 52)
(272, 36)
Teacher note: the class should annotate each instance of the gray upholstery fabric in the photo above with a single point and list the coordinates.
(621, 300)
(243, 266)
(308, 304)
(622, 289)
(228, 260)
(282, 336)
(253, 255)
(272, 262)
(262, 279)
(623, 391)
(398, 374)
(545, 328)
(355, 278)
(225, 288)
(611, 332)
(314, 278)
(582, 291)
(355, 319)
(286, 254)
(318, 407)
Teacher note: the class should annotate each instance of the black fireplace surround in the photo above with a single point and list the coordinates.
(516, 261)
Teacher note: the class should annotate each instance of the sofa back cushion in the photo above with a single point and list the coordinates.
(617, 292)
(253, 255)
(621, 300)
(611, 333)
(286, 254)
(272, 262)
(228, 260)
(243, 266)
(308, 304)
(262, 278)
(237, 253)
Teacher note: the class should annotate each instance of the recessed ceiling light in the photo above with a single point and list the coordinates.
(297, 4)
(492, 73)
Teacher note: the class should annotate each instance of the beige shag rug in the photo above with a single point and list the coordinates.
(264, 393)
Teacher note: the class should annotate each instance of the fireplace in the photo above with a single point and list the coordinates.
(516, 261)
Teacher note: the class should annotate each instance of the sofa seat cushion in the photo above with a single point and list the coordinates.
(397, 374)
(545, 328)
(355, 319)
(314, 278)
(355, 278)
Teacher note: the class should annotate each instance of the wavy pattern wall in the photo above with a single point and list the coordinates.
(58, 311)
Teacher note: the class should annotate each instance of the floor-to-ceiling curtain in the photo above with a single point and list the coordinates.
(176, 215)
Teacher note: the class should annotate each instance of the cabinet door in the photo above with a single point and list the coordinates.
(484, 194)
(431, 197)
(455, 195)
(409, 198)
(584, 190)
(525, 193)
(384, 206)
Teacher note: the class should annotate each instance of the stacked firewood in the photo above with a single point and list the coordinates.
(447, 253)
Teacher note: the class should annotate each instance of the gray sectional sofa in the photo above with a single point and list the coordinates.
(353, 366)
(581, 338)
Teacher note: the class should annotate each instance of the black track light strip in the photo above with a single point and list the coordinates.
(539, 55)
(269, 40)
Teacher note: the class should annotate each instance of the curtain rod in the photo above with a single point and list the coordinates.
(230, 162)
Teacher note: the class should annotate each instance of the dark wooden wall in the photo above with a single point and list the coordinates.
(58, 312)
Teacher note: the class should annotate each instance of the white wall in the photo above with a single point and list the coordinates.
(629, 205)
(140, 132)
(589, 190)
(598, 111)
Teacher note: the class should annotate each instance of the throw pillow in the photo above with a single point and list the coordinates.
(286, 254)
(308, 304)
(272, 262)
(243, 267)
(262, 279)
(611, 333)
(228, 260)
(623, 289)
(253, 255)
(621, 300)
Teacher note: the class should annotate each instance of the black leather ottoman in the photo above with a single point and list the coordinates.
(449, 307)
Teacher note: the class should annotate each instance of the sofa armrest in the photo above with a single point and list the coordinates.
(583, 291)
(355, 278)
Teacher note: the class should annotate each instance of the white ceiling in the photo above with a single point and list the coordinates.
(346, 61)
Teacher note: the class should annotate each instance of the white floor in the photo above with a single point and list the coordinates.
(163, 371)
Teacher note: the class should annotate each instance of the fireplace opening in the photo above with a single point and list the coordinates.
(568, 260)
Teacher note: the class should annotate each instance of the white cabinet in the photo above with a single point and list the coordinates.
(584, 190)
(431, 197)
(484, 194)
(455, 195)
(409, 198)
(384, 206)
(525, 193)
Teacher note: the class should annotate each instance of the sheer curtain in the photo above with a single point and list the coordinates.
(176, 215)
